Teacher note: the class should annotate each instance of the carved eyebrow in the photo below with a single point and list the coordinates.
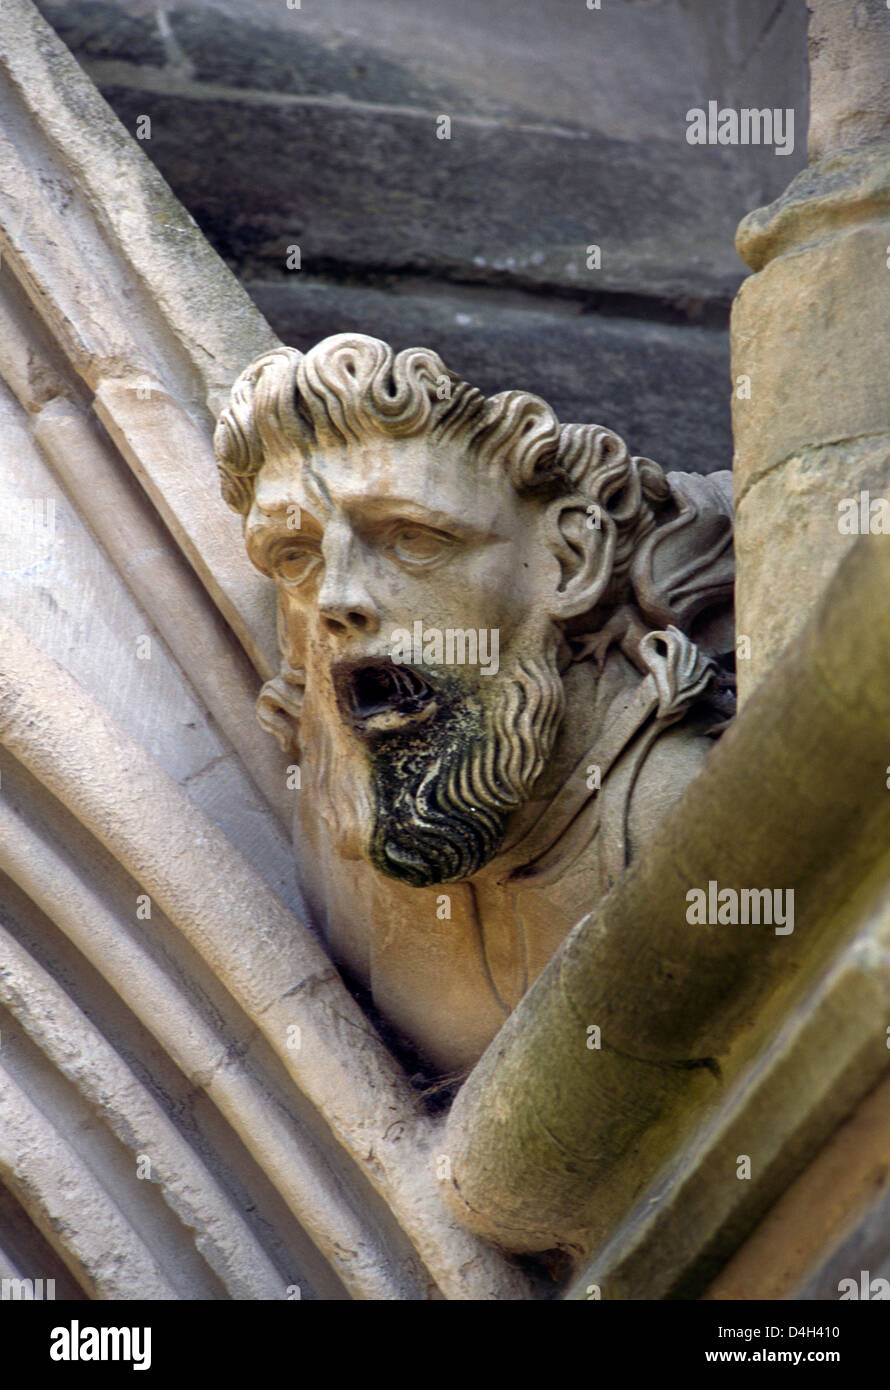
(279, 518)
(370, 513)
(367, 515)
(270, 500)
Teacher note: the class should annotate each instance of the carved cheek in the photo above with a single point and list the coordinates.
(291, 630)
(500, 589)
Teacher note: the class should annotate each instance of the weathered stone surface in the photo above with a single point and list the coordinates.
(70, 598)
(489, 205)
(789, 324)
(811, 413)
(564, 65)
(664, 387)
(51, 1042)
(96, 29)
(850, 74)
(830, 1224)
(787, 529)
(300, 59)
(546, 155)
(812, 418)
(695, 1213)
(77, 251)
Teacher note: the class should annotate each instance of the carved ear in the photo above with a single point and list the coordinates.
(582, 537)
(278, 709)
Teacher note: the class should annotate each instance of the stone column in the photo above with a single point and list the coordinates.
(811, 344)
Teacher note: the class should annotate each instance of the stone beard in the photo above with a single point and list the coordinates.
(428, 802)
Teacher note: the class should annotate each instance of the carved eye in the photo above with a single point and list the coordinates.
(418, 545)
(296, 563)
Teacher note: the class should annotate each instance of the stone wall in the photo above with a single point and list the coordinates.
(318, 128)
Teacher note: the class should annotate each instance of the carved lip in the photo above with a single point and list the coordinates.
(378, 695)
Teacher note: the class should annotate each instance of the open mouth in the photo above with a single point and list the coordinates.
(380, 695)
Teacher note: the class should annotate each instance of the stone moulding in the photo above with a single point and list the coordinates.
(276, 972)
(794, 795)
(99, 244)
(51, 1020)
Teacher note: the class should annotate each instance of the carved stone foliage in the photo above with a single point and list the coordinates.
(505, 645)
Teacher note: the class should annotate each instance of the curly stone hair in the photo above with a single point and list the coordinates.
(351, 388)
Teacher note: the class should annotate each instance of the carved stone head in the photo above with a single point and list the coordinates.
(445, 562)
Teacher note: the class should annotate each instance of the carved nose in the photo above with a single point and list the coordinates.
(341, 621)
(347, 612)
(345, 607)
